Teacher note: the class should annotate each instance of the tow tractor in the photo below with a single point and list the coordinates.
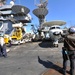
(17, 35)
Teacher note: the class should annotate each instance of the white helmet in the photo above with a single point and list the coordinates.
(72, 29)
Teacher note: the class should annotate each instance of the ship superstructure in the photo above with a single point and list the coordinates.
(12, 14)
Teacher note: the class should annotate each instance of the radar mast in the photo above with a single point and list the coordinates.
(41, 13)
(42, 3)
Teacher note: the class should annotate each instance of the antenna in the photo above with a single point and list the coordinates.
(41, 1)
(42, 4)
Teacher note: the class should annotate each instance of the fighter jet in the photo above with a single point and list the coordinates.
(55, 31)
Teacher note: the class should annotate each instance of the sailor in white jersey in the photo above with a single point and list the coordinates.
(2, 46)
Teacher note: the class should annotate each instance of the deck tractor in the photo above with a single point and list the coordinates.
(17, 35)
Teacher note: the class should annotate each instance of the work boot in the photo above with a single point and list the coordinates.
(64, 72)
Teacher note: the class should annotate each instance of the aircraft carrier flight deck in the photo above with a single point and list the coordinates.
(32, 59)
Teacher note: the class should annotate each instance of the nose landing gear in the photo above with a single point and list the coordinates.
(55, 45)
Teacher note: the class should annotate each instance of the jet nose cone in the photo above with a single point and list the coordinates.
(56, 33)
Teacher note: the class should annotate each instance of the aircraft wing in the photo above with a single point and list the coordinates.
(51, 23)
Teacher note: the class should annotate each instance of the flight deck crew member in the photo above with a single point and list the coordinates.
(69, 51)
(2, 46)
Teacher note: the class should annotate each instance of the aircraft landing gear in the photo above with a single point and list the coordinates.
(55, 45)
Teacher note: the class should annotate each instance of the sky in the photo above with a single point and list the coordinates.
(57, 10)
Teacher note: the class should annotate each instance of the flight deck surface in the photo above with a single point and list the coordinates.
(35, 58)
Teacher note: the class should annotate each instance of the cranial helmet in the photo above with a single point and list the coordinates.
(72, 29)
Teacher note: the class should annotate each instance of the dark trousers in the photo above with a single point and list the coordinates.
(3, 50)
(71, 56)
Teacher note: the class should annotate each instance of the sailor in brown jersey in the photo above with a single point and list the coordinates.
(69, 51)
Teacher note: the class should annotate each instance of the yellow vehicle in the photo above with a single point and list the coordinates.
(17, 35)
(7, 39)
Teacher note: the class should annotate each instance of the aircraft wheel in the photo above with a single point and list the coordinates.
(55, 45)
(9, 44)
(19, 43)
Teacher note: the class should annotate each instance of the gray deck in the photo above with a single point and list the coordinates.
(30, 59)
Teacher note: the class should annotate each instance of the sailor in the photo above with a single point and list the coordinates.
(2, 46)
(69, 51)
